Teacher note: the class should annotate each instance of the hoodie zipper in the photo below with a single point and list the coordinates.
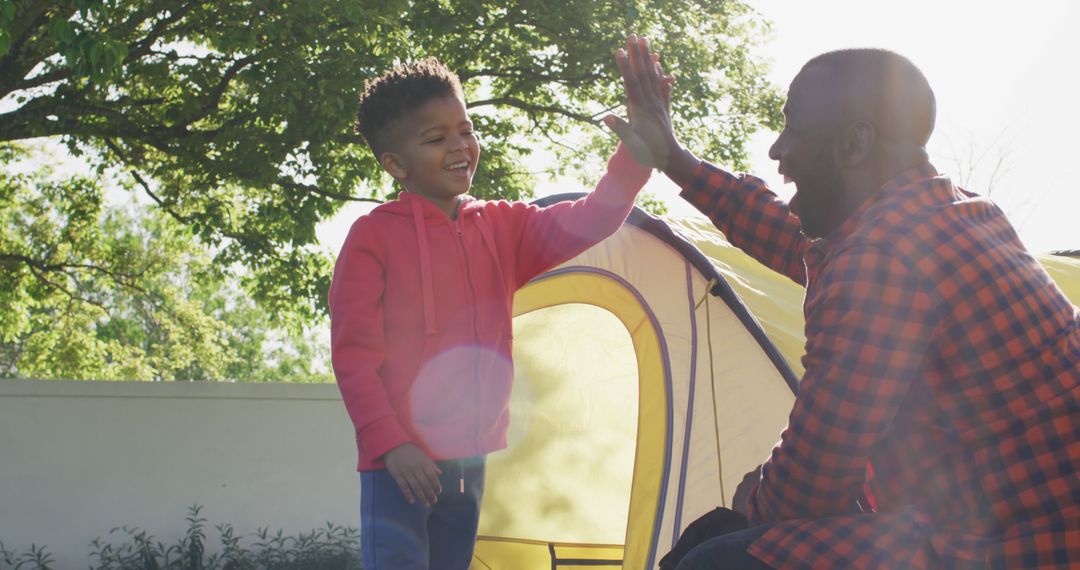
(476, 335)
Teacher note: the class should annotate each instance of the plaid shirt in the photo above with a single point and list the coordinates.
(941, 359)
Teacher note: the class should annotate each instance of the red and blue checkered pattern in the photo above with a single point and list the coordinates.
(941, 360)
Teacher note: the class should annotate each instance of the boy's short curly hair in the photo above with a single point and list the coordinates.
(389, 97)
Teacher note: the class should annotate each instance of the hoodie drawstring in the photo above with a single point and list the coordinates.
(485, 233)
(425, 269)
(425, 262)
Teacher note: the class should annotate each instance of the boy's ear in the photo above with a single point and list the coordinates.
(391, 162)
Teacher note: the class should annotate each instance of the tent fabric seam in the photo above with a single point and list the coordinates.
(689, 407)
(662, 231)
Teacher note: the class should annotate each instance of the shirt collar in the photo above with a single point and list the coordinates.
(896, 187)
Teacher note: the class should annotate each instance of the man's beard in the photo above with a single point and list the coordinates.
(819, 196)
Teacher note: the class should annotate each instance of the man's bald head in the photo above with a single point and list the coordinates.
(881, 87)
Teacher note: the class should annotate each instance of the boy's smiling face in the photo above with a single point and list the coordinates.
(434, 152)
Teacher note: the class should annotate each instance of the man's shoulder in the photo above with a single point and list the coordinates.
(901, 211)
(927, 219)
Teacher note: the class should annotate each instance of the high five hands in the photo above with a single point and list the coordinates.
(648, 134)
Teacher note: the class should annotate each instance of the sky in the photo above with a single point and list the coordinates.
(1005, 74)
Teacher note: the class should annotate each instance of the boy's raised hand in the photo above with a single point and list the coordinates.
(649, 134)
(415, 474)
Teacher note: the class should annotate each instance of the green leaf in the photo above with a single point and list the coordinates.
(95, 54)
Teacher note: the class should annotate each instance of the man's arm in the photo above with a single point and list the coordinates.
(869, 324)
(752, 217)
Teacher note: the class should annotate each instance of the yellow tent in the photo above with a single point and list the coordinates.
(653, 371)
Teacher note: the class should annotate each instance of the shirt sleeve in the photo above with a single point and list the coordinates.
(357, 344)
(752, 217)
(869, 324)
(555, 233)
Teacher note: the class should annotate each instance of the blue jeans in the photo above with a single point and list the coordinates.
(395, 535)
(727, 552)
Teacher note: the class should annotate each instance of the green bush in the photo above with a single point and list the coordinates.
(329, 548)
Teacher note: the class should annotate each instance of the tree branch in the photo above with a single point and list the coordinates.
(166, 207)
(43, 79)
(312, 189)
(218, 92)
(26, 21)
(40, 275)
(118, 276)
(143, 46)
(16, 63)
(32, 120)
(532, 108)
(526, 73)
(41, 268)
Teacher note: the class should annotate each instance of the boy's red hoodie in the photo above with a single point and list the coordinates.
(420, 309)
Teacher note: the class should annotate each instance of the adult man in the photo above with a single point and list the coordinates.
(938, 421)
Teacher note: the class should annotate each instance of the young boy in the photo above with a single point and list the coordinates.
(420, 308)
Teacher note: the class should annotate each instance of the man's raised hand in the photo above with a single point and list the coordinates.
(648, 134)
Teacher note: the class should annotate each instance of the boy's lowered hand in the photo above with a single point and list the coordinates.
(415, 474)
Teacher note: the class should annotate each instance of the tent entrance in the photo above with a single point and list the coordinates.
(580, 420)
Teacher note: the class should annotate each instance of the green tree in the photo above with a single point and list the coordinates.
(235, 117)
(234, 120)
(93, 292)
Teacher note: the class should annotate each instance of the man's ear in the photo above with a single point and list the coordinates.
(856, 142)
(391, 162)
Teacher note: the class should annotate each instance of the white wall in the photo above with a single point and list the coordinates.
(80, 458)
